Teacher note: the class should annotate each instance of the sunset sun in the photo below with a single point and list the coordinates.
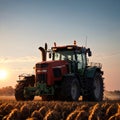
(3, 74)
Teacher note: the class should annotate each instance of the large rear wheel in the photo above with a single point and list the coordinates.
(70, 89)
(95, 88)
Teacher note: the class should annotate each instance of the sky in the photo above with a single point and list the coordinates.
(26, 25)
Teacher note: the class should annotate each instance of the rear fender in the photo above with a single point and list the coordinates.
(69, 75)
(72, 75)
(28, 80)
(90, 72)
(21, 81)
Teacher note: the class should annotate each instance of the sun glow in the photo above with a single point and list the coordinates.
(3, 74)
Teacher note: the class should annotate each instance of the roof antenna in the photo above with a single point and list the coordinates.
(86, 41)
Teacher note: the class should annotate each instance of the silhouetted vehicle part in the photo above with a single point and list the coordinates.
(67, 75)
(95, 88)
(24, 81)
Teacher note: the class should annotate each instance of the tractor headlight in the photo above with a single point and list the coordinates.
(39, 71)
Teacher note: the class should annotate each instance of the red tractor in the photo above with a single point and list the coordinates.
(67, 76)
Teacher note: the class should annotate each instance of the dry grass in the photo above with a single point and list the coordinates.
(57, 110)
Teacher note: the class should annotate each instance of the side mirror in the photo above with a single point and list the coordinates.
(50, 55)
(89, 52)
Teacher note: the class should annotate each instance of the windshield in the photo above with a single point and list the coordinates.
(64, 55)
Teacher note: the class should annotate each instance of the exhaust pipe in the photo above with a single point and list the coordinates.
(46, 46)
(44, 51)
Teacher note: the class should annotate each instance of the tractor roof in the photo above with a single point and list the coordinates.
(67, 47)
(73, 47)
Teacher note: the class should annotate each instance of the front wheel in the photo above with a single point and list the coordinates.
(95, 88)
(19, 92)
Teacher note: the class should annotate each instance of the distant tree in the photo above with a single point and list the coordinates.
(117, 91)
(7, 91)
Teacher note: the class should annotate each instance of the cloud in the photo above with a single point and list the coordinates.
(25, 59)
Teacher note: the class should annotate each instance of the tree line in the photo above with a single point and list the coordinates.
(7, 91)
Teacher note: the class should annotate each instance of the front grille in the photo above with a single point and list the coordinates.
(42, 65)
(42, 78)
(57, 72)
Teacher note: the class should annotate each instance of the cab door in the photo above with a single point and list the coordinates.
(81, 59)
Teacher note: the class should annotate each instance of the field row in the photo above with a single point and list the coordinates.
(56, 110)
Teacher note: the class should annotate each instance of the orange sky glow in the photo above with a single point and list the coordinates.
(25, 26)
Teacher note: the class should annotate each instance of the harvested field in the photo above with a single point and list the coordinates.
(57, 110)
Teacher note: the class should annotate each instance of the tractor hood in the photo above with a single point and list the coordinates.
(56, 64)
(50, 71)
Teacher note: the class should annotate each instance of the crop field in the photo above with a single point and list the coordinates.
(57, 110)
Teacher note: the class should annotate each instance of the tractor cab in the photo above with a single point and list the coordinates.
(76, 56)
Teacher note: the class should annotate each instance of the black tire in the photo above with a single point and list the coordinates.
(19, 92)
(70, 90)
(52, 97)
(95, 88)
(47, 97)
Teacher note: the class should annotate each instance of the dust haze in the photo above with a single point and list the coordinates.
(112, 95)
